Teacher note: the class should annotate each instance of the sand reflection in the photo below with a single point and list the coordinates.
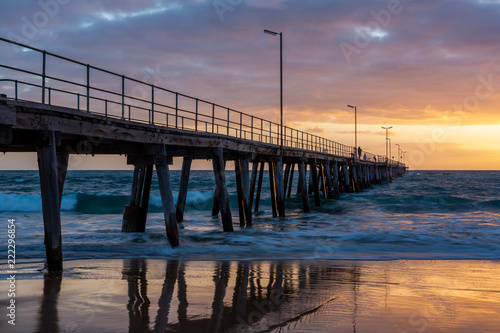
(277, 296)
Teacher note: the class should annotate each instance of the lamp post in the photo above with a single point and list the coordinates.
(272, 33)
(404, 157)
(386, 141)
(399, 148)
(355, 127)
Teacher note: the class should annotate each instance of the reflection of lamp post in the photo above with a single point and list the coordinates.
(355, 128)
(386, 141)
(272, 33)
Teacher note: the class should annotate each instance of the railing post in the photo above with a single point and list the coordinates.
(213, 117)
(227, 121)
(106, 108)
(16, 88)
(88, 88)
(261, 130)
(78, 102)
(129, 117)
(123, 96)
(153, 104)
(252, 129)
(196, 117)
(50, 95)
(44, 65)
(176, 108)
(241, 124)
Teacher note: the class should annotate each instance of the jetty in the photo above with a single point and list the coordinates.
(68, 107)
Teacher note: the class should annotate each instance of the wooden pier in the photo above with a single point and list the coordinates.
(89, 119)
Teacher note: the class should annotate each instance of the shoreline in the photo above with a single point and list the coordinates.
(139, 295)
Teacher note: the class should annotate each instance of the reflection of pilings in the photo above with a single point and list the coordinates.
(240, 290)
(138, 304)
(221, 279)
(48, 318)
(165, 299)
(182, 295)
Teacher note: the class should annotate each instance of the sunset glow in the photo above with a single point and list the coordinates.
(427, 68)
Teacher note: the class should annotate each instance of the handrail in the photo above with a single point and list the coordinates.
(152, 109)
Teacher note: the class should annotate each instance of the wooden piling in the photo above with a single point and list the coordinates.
(215, 206)
(291, 180)
(347, 179)
(328, 179)
(145, 198)
(314, 174)
(167, 200)
(243, 191)
(183, 188)
(132, 212)
(321, 170)
(255, 170)
(303, 187)
(287, 174)
(280, 187)
(222, 195)
(245, 186)
(259, 186)
(272, 185)
(335, 177)
(49, 184)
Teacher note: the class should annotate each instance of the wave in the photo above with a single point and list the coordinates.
(101, 203)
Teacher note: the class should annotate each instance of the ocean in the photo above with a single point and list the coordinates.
(422, 215)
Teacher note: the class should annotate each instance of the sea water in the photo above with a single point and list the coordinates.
(422, 215)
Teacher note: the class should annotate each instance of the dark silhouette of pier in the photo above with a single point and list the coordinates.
(89, 110)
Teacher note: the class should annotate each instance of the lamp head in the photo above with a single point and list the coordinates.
(269, 32)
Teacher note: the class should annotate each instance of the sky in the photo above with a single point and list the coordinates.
(429, 69)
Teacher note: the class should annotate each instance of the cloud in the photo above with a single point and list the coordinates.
(421, 66)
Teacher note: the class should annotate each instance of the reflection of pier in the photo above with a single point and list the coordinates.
(265, 296)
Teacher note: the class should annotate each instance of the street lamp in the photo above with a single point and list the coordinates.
(272, 33)
(399, 148)
(386, 140)
(355, 127)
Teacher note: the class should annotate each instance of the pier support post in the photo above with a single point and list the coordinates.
(135, 214)
(167, 200)
(183, 188)
(272, 185)
(280, 187)
(354, 174)
(62, 170)
(303, 187)
(243, 190)
(287, 174)
(291, 180)
(314, 174)
(321, 171)
(328, 178)
(259, 186)
(347, 179)
(335, 177)
(222, 195)
(255, 169)
(49, 184)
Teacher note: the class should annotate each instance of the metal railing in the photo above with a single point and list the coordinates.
(142, 102)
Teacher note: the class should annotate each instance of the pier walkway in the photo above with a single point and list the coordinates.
(59, 106)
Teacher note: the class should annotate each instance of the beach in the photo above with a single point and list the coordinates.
(420, 254)
(152, 295)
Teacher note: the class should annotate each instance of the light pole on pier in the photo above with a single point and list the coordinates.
(387, 141)
(272, 33)
(399, 148)
(355, 128)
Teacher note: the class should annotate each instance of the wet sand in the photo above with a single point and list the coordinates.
(136, 295)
